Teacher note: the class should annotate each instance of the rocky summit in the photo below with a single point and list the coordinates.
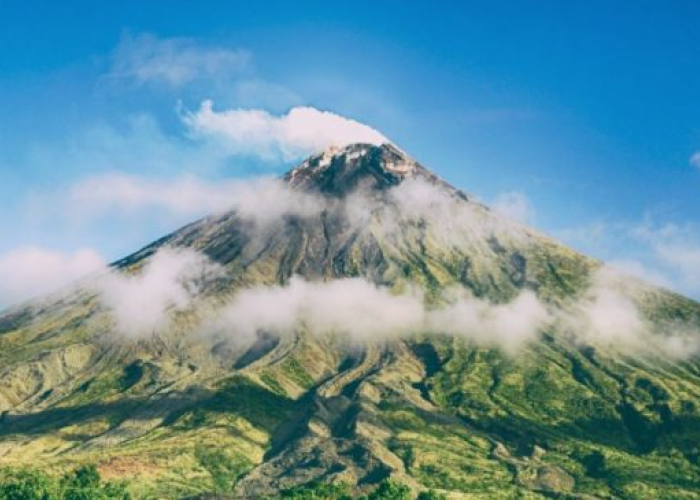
(360, 320)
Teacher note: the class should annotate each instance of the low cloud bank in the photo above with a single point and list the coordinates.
(508, 326)
(352, 306)
(142, 304)
(609, 314)
(364, 312)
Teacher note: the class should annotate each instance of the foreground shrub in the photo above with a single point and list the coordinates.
(83, 483)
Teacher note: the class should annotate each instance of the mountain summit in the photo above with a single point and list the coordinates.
(339, 171)
(361, 319)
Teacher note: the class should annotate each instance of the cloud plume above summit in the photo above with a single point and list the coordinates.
(300, 132)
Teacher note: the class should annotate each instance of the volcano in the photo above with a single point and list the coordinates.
(361, 320)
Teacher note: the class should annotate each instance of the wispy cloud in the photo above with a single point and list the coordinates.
(139, 144)
(611, 314)
(145, 58)
(607, 315)
(28, 272)
(120, 174)
(514, 205)
(663, 253)
(128, 201)
(134, 198)
(452, 222)
(300, 132)
(116, 193)
(142, 303)
(138, 169)
(364, 312)
(642, 271)
(695, 160)
(676, 248)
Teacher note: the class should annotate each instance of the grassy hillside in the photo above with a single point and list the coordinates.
(177, 415)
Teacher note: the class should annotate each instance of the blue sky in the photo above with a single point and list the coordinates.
(580, 118)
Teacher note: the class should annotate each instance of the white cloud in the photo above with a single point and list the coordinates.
(508, 326)
(30, 271)
(145, 58)
(352, 307)
(364, 312)
(300, 132)
(610, 315)
(142, 304)
(514, 205)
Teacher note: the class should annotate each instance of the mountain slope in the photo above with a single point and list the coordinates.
(179, 411)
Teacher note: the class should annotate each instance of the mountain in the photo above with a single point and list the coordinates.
(528, 371)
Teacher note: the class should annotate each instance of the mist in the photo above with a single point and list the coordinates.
(363, 312)
(142, 302)
(610, 314)
(606, 314)
(452, 221)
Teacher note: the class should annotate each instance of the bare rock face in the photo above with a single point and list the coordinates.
(559, 417)
(339, 172)
(548, 478)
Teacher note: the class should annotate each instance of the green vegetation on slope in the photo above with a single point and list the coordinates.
(83, 483)
(386, 490)
(177, 417)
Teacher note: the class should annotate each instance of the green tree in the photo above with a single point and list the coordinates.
(390, 490)
(27, 485)
(431, 495)
(595, 465)
(83, 483)
(225, 470)
(318, 491)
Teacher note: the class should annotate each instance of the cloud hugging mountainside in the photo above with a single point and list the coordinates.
(356, 320)
(174, 278)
